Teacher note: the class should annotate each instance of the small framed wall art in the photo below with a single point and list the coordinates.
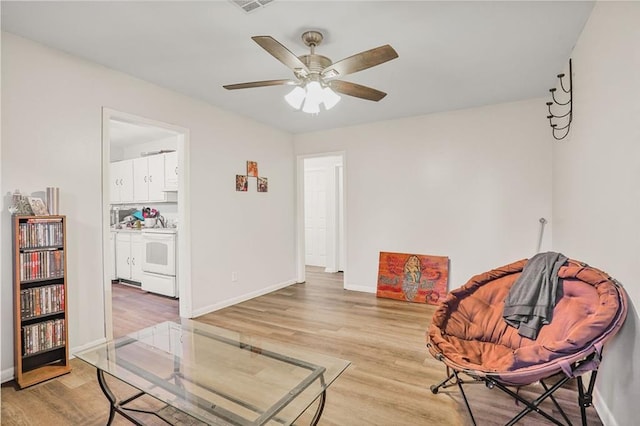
(263, 184)
(242, 183)
(252, 168)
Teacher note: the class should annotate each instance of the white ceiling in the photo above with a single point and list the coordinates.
(122, 133)
(452, 55)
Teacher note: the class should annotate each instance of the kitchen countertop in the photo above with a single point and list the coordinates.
(160, 230)
(151, 230)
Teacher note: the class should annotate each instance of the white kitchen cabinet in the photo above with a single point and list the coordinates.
(148, 179)
(140, 180)
(171, 171)
(129, 255)
(121, 182)
(123, 256)
(137, 254)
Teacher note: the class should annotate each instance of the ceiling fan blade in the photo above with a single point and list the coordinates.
(357, 90)
(281, 53)
(360, 61)
(258, 84)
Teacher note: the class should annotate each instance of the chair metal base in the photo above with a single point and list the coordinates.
(585, 395)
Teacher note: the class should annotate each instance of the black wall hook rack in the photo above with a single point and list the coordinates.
(561, 123)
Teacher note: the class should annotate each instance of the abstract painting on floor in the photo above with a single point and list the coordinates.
(413, 277)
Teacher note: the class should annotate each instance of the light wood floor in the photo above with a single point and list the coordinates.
(134, 309)
(386, 384)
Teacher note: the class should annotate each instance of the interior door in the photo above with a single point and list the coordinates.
(315, 212)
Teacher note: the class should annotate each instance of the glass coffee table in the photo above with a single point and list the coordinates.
(213, 376)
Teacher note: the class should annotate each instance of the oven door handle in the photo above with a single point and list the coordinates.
(157, 237)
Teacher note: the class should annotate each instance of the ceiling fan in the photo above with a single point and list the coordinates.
(317, 76)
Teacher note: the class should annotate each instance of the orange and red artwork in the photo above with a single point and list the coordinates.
(252, 168)
(413, 277)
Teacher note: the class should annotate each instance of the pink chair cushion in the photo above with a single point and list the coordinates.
(469, 331)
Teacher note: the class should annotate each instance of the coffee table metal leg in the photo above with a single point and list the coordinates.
(107, 392)
(113, 402)
(316, 417)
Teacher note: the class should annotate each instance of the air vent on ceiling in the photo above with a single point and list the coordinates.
(251, 5)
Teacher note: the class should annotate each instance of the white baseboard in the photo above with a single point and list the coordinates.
(239, 299)
(603, 410)
(361, 288)
(7, 375)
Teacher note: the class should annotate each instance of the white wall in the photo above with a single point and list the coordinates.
(596, 196)
(471, 185)
(51, 136)
(135, 151)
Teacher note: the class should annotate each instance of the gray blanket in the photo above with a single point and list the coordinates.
(530, 302)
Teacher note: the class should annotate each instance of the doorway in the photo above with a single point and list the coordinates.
(129, 142)
(321, 213)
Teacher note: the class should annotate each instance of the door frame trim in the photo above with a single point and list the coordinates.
(300, 237)
(183, 272)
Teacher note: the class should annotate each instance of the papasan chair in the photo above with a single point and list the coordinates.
(470, 335)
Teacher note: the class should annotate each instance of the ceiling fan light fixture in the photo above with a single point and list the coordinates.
(295, 97)
(311, 96)
(314, 93)
(330, 97)
(311, 106)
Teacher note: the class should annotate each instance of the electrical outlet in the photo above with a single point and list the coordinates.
(234, 276)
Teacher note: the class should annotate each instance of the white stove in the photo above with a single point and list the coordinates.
(159, 261)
